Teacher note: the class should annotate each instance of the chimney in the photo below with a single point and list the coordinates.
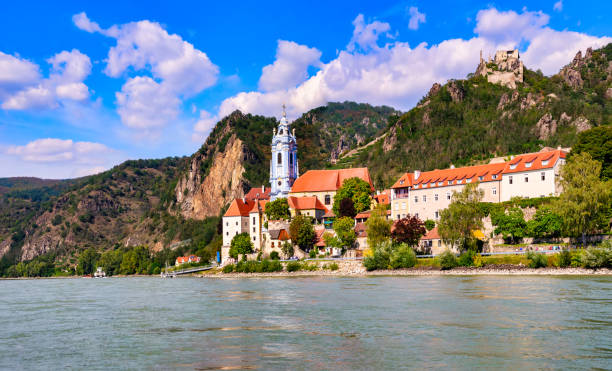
(263, 189)
(417, 174)
(244, 199)
(452, 166)
(377, 192)
(558, 148)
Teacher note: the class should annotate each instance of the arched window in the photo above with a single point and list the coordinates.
(279, 160)
(291, 159)
(280, 132)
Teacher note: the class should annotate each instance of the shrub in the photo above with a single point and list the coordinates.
(478, 261)
(537, 260)
(466, 259)
(448, 260)
(229, 268)
(380, 258)
(598, 257)
(312, 253)
(565, 259)
(275, 266)
(403, 257)
(333, 266)
(294, 266)
(310, 267)
(274, 255)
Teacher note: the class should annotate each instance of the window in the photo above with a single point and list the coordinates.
(416, 199)
(291, 160)
(437, 214)
(510, 179)
(448, 195)
(254, 238)
(424, 198)
(494, 176)
(253, 220)
(436, 197)
(481, 178)
(253, 229)
(327, 199)
(494, 190)
(440, 183)
(279, 159)
(227, 224)
(236, 223)
(416, 214)
(543, 176)
(468, 180)
(450, 182)
(280, 132)
(404, 205)
(439, 243)
(513, 166)
(459, 181)
(526, 178)
(545, 162)
(528, 164)
(227, 233)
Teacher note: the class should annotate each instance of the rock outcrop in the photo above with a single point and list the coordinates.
(571, 73)
(456, 91)
(546, 127)
(581, 124)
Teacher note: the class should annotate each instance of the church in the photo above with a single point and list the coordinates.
(311, 194)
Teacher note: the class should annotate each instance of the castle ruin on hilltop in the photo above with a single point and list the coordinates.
(506, 69)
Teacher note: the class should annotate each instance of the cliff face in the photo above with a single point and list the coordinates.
(200, 196)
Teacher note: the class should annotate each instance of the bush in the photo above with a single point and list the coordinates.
(294, 266)
(565, 259)
(381, 257)
(312, 253)
(598, 257)
(229, 268)
(403, 257)
(271, 266)
(448, 260)
(274, 255)
(310, 267)
(333, 266)
(466, 259)
(537, 260)
(478, 261)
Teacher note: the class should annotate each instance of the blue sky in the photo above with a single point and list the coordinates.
(86, 85)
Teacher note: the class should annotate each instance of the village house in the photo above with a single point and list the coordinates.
(425, 194)
(186, 259)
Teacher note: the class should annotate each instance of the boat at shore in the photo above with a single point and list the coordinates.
(99, 273)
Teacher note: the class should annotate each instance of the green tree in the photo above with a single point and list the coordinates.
(241, 245)
(287, 249)
(331, 240)
(345, 230)
(430, 224)
(347, 208)
(110, 261)
(87, 261)
(278, 209)
(302, 232)
(510, 224)
(356, 189)
(584, 204)
(545, 223)
(462, 217)
(135, 261)
(598, 143)
(378, 227)
(408, 230)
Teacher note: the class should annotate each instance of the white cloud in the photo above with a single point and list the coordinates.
(399, 75)
(290, 67)
(16, 74)
(178, 70)
(415, 18)
(58, 150)
(65, 82)
(203, 126)
(365, 36)
(145, 104)
(558, 6)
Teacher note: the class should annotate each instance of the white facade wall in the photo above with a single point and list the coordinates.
(233, 225)
(255, 227)
(529, 184)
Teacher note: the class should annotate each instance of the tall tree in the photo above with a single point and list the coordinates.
(277, 209)
(356, 189)
(584, 204)
(462, 217)
(345, 230)
(87, 261)
(347, 208)
(378, 227)
(545, 223)
(408, 230)
(302, 232)
(241, 245)
(511, 224)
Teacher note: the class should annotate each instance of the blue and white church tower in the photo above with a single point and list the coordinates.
(284, 164)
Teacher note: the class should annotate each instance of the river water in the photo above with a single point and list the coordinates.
(312, 323)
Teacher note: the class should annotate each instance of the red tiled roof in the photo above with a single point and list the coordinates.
(383, 197)
(305, 203)
(536, 161)
(328, 180)
(360, 230)
(319, 232)
(432, 178)
(257, 194)
(363, 214)
(405, 180)
(329, 214)
(240, 208)
(431, 235)
(259, 206)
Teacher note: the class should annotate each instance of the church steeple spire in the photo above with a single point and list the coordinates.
(284, 164)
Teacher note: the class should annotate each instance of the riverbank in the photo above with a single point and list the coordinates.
(356, 269)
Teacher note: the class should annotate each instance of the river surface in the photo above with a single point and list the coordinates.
(312, 323)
